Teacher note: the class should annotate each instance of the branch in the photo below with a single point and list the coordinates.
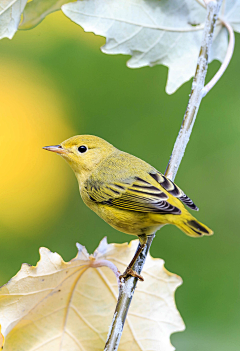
(196, 95)
(126, 292)
(127, 288)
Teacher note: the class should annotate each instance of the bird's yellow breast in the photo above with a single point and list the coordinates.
(129, 222)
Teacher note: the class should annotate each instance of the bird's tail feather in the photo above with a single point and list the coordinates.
(193, 227)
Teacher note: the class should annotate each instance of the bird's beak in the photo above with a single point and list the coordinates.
(56, 148)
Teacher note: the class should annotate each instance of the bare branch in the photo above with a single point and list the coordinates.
(196, 96)
(128, 287)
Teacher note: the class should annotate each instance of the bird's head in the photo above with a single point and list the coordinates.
(83, 153)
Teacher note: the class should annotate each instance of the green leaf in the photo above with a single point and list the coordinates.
(37, 10)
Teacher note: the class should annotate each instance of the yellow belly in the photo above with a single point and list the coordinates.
(129, 222)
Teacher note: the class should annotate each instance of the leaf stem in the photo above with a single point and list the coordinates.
(127, 288)
(226, 61)
(101, 263)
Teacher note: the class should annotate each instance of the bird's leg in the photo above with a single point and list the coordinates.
(129, 270)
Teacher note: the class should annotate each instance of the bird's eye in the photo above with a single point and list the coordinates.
(82, 149)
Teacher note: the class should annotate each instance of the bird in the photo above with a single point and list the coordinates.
(126, 192)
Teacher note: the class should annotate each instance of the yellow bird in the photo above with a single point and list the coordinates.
(126, 192)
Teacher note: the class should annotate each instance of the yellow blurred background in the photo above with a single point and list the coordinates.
(31, 116)
(56, 83)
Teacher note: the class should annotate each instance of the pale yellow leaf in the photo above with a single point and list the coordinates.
(69, 306)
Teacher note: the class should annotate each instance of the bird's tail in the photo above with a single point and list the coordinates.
(193, 227)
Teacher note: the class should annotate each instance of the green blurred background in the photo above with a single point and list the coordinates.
(56, 83)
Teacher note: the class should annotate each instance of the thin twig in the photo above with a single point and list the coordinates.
(128, 287)
(124, 299)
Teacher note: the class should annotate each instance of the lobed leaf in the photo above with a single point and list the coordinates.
(151, 31)
(154, 32)
(61, 305)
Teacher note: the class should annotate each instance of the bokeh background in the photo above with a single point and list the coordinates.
(56, 83)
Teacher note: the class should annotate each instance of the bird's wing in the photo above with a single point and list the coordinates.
(134, 194)
(173, 189)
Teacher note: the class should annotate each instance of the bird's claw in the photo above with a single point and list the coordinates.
(130, 272)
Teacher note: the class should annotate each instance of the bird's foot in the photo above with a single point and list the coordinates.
(130, 272)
